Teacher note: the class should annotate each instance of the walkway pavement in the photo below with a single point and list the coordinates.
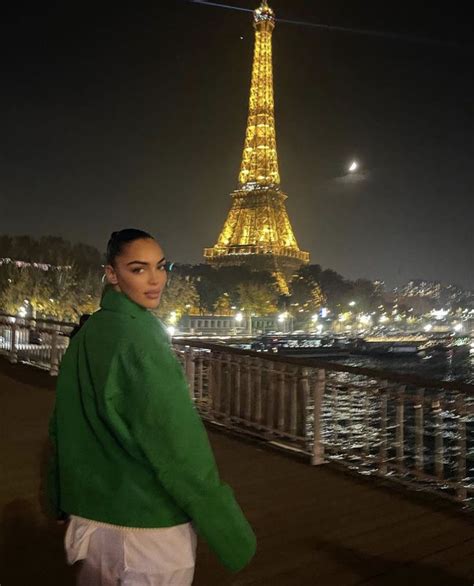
(315, 526)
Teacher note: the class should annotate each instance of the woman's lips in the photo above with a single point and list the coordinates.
(153, 294)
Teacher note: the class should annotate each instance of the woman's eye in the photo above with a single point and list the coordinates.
(137, 270)
(162, 268)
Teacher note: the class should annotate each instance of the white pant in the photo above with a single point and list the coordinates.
(118, 556)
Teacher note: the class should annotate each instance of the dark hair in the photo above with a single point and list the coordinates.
(82, 320)
(118, 241)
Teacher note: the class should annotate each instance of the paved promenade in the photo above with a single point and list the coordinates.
(315, 526)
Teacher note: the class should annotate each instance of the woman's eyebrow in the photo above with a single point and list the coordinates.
(142, 262)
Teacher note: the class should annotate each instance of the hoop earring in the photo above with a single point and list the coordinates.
(103, 278)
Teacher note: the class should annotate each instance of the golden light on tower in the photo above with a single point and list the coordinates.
(257, 231)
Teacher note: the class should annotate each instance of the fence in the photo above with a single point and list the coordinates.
(417, 431)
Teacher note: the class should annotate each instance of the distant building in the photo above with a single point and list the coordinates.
(421, 288)
(227, 324)
(379, 287)
(424, 296)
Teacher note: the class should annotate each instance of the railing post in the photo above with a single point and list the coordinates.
(293, 400)
(13, 344)
(228, 387)
(419, 432)
(334, 418)
(305, 373)
(190, 369)
(238, 386)
(271, 389)
(200, 375)
(382, 467)
(461, 492)
(248, 389)
(281, 397)
(318, 394)
(400, 431)
(54, 361)
(258, 391)
(211, 372)
(439, 441)
(218, 386)
(366, 447)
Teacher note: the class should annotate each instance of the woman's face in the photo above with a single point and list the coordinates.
(139, 272)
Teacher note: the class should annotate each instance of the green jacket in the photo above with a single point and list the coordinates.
(129, 447)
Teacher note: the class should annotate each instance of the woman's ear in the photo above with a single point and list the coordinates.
(111, 275)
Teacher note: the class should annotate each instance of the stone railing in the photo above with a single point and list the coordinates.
(34, 341)
(402, 427)
(417, 431)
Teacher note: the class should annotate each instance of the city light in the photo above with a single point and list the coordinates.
(315, 317)
(173, 317)
(282, 317)
(353, 167)
(439, 313)
(171, 330)
(343, 317)
(239, 317)
(458, 328)
(352, 303)
(428, 328)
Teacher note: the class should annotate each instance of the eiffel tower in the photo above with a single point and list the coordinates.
(257, 231)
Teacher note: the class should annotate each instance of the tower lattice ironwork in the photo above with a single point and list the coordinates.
(257, 231)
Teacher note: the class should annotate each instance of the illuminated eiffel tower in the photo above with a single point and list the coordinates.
(257, 232)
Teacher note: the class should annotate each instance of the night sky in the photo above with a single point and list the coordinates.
(118, 117)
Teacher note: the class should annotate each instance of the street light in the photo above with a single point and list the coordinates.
(282, 319)
(173, 317)
(352, 304)
(353, 167)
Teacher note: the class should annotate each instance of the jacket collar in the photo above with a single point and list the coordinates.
(114, 301)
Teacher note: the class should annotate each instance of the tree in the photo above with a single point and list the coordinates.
(306, 293)
(258, 298)
(223, 305)
(364, 293)
(179, 296)
(24, 285)
(54, 294)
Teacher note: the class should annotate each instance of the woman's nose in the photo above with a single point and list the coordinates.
(156, 277)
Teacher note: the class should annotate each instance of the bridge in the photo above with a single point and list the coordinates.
(347, 476)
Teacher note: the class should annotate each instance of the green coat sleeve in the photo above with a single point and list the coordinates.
(161, 418)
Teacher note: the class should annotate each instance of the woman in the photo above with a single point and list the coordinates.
(132, 466)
